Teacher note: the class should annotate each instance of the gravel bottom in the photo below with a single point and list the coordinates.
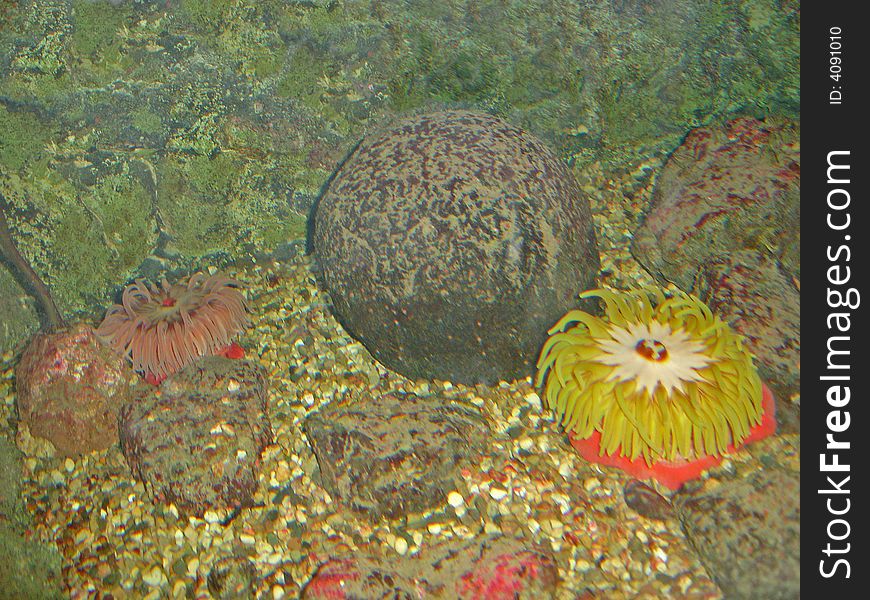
(116, 543)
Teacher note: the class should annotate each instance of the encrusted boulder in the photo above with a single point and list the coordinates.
(726, 188)
(69, 389)
(396, 454)
(450, 243)
(196, 440)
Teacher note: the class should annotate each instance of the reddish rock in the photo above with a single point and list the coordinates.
(725, 189)
(725, 224)
(70, 387)
(489, 568)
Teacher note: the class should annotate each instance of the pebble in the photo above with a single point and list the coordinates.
(591, 483)
(154, 577)
(455, 499)
(247, 539)
(498, 494)
(526, 443)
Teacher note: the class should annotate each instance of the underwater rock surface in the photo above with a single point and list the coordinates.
(396, 454)
(747, 533)
(222, 120)
(70, 387)
(726, 188)
(751, 293)
(725, 223)
(450, 243)
(197, 442)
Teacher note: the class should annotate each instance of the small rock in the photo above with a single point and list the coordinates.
(167, 439)
(646, 501)
(232, 578)
(455, 499)
(396, 454)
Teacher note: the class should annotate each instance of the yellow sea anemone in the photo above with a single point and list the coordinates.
(658, 376)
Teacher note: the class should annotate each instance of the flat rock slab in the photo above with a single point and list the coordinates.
(396, 454)
(196, 440)
(495, 568)
(747, 533)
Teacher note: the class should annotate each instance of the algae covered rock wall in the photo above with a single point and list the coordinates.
(140, 134)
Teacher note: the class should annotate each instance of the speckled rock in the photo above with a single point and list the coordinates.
(495, 568)
(196, 441)
(396, 454)
(450, 243)
(725, 189)
(752, 293)
(725, 224)
(747, 533)
(70, 387)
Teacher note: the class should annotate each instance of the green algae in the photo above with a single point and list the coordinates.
(23, 136)
(96, 31)
(19, 319)
(96, 234)
(225, 202)
(207, 127)
(47, 23)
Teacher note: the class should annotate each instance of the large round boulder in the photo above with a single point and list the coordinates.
(450, 242)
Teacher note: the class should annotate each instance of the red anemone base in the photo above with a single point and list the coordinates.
(673, 474)
(233, 351)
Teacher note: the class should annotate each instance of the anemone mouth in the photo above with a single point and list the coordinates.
(162, 328)
(657, 376)
(653, 354)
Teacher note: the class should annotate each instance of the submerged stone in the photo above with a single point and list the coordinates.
(196, 441)
(747, 533)
(450, 243)
(69, 390)
(395, 455)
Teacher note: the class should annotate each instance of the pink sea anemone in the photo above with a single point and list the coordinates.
(161, 329)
